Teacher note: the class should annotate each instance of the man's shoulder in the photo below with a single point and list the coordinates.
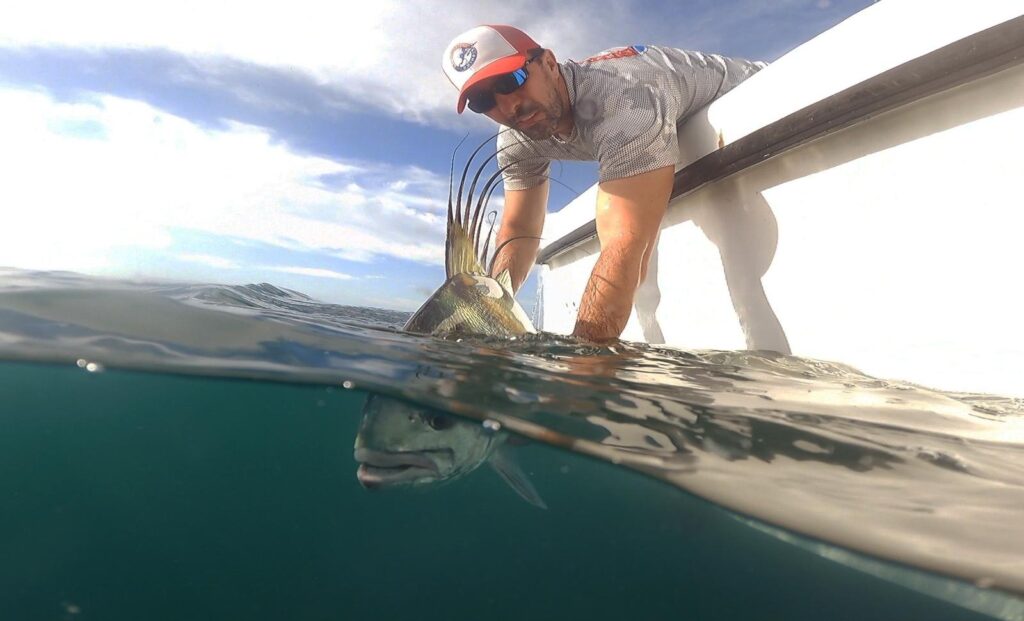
(632, 62)
(603, 78)
(616, 53)
(626, 59)
(615, 85)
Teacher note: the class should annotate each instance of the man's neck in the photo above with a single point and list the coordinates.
(566, 123)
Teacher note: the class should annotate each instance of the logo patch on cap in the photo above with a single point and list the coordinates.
(463, 56)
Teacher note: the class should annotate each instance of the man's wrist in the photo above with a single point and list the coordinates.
(607, 300)
(596, 331)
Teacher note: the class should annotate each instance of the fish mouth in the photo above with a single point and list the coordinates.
(379, 468)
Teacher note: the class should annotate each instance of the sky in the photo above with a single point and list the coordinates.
(306, 144)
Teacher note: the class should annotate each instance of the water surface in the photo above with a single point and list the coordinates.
(186, 451)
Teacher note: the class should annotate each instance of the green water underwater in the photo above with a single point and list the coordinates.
(133, 495)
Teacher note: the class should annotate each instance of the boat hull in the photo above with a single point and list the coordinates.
(885, 237)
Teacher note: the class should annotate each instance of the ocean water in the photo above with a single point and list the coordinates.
(175, 451)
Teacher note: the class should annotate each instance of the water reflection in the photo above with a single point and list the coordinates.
(733, 438)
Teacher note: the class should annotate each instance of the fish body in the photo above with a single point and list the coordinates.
(401, 444)
(471, 303)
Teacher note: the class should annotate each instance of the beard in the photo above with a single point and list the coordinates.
(546, 125)
(543, 129)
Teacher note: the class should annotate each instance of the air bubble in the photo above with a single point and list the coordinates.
(348, 385)
(492, 425)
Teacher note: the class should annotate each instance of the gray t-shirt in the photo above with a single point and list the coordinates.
(626, 103)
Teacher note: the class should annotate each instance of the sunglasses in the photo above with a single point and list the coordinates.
(504, 84)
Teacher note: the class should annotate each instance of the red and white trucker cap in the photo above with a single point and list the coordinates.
(484, 52)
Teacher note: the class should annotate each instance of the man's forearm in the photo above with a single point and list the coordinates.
(517, 256)
(629, 213)
(608, 299)
(522, 221)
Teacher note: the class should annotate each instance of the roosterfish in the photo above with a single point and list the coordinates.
(402, 444)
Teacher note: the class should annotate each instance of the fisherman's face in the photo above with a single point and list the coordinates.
(535, 108)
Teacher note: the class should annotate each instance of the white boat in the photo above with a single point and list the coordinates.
(858, 200)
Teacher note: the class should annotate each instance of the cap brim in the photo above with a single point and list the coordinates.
(507, 64)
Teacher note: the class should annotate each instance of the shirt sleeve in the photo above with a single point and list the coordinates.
(638, 133)
(526, 166)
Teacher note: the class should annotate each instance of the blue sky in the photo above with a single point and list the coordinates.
(305, 144)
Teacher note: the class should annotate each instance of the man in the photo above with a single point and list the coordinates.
(619, 108)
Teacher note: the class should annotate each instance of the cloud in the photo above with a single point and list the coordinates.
(240, 128)
(385, 55)
(136, 174)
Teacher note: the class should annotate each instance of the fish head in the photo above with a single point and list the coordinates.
(402, 444)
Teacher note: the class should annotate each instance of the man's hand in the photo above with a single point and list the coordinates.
(629, 213)
(523, 215)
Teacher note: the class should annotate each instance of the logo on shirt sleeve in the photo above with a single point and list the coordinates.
(619, 52)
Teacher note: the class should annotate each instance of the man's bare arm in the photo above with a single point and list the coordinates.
(523, 215)
(629, 213)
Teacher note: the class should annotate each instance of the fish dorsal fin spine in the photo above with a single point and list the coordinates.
(467, 238)
(505, 280)
(461, 255)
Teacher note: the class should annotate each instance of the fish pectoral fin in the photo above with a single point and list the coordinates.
(507, 468)
(505, 280)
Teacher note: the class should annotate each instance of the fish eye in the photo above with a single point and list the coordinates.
(438, 422)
